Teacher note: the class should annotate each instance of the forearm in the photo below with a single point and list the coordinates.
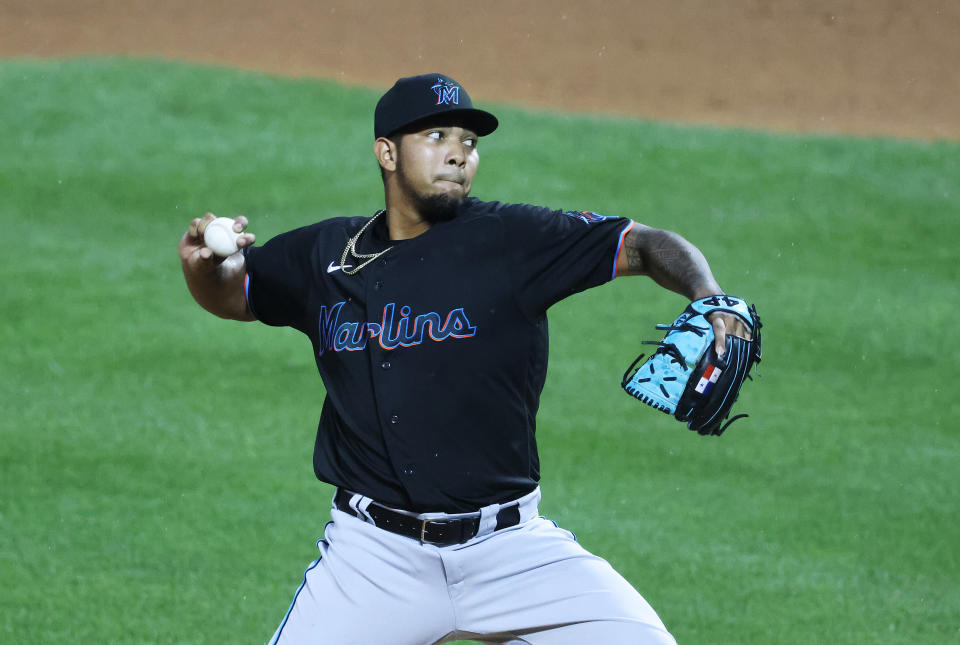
(669, 259)
(218, 288)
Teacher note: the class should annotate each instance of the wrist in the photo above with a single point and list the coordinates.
(706, 291)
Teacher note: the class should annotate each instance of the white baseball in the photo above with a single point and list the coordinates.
(220, 237)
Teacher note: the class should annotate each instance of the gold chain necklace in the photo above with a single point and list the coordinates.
(351, 249)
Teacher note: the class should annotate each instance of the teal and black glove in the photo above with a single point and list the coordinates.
(686, 378)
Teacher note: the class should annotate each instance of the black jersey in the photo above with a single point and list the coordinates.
(434, 355)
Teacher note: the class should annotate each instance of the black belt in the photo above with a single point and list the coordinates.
(438, 532)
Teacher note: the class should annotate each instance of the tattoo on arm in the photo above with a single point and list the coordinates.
(672, 261)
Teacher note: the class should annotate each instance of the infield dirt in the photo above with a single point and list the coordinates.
(886, 67)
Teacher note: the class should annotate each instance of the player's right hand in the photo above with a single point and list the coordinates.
(193, 251)
(216, 283)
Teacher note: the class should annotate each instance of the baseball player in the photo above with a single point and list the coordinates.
(429, 329)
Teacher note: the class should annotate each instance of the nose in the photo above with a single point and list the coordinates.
(456, 156)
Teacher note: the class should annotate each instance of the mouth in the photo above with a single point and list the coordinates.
(454, 179)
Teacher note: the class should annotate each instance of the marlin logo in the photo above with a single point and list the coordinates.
(447, 93)
(587, 217)
(391, 331)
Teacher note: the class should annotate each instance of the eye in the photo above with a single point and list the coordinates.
(436, 135)
(470, 143)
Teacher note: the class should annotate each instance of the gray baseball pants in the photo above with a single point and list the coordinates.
(528, 584)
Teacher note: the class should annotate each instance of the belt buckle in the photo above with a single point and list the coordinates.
(423, 531)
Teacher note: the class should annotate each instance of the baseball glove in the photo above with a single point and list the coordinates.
(686, 378)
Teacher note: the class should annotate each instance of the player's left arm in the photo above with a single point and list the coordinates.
(676, 264)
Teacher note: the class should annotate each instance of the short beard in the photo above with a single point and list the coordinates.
(433, 208)
(436, 208)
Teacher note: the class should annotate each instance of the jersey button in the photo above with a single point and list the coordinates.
(394, 419)
(377, 285)
(385, 365)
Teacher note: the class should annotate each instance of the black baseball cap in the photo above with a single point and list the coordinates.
(420, 98)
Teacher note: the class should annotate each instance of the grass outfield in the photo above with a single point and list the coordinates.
(155, 473)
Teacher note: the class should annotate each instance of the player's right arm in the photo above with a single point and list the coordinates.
(217, 284)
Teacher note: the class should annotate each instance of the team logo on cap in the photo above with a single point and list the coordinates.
(447, 93)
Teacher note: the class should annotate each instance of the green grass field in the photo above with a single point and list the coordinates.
(155, 473)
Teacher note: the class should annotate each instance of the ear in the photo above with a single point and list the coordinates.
(386, 152)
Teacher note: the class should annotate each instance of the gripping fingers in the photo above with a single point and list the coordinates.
(199, 225)
(240, 224)
(719, 334)
(736, 327)
(192, 246)
(724, 324)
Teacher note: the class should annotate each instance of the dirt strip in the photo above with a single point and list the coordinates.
(885, 67)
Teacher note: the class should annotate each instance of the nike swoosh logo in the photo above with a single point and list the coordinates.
(336, 267)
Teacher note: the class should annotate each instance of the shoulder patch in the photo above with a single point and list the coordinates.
(587, 217)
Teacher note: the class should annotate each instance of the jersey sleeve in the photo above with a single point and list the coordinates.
(556, 253)
(278, 278)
